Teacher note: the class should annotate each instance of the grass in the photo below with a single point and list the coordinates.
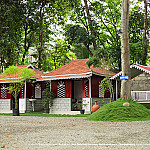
(115, 111)
(42, 114)
(147, 105)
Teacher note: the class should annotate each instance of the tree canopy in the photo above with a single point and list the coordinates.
(61, 29)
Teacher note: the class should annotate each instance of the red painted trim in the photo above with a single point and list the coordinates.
(83, 89)
(30, 90)
(68, 88)
(95, 85)
(54, 87)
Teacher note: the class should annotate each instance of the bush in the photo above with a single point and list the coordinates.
(115, 111)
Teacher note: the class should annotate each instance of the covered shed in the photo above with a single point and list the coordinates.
(140, 83)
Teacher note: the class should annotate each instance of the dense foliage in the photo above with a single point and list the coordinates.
(84, 27)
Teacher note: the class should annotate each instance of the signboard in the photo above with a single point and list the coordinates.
(123, 77)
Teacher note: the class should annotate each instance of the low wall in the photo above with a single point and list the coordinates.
(38, 105)
(61, 104)
(4, 104)
(24, 105)
(100, 101)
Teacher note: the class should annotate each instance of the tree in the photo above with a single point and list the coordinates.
(138, 33)
(90, 24)
(15, 85)
(136, 22)
(145, 41)
(80, 51)
(29, 27)
(50, 14)
(29, 23)
(61, 54)
(104, 17)
(125, 59)
(10, 31)
(76, 34)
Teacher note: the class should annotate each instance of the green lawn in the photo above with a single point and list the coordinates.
(147, 105)
(42, 114)
(111, 112)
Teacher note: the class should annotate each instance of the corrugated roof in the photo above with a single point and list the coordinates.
(134, 66)
(75, 69)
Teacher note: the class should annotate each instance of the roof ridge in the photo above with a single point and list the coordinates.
(64, 66)
(139, 64)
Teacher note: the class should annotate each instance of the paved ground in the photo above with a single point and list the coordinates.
(43, 133)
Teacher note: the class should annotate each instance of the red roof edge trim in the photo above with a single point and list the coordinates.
(67, 77)
(139, 67)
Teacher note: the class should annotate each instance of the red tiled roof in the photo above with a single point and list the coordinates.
(76, 68)
(23, 66)
(37, 74)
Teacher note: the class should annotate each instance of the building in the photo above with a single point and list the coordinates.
(74, 82)
(71, 83)
(140, 83)
(28, 94)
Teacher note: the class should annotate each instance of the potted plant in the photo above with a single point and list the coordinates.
(79, 106)
(47, 99)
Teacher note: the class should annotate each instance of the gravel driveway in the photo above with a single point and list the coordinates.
(43, 133)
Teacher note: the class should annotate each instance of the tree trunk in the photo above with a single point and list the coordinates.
(25, 43)
(90, 24)
(125, 53)
(40, 38)
(144, 34)
(15, 105)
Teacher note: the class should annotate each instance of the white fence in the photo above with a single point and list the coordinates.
(141, 96)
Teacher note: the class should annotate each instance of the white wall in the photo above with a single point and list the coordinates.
(87, 102)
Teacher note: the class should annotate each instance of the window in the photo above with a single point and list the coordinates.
(101, 94)
(86, 90)
(3, 91)
(37, 90)
(22, 92)
(61, 89)
(86, 82)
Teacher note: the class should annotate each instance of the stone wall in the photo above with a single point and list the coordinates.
(100, 101)
(37, 106)
(4, 104)
(61, 104)
(141, 83)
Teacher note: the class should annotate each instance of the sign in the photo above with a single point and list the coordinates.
(123, 77)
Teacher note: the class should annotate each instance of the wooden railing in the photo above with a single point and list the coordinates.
(141, 96)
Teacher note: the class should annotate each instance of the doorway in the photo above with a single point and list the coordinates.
(76, 93)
